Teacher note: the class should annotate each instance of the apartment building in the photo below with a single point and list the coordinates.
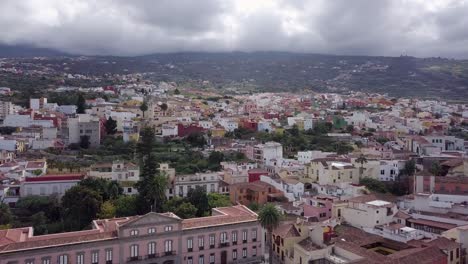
(331, 171)
(6, 108)
(184, 183)
(367, 212)
(230, 235)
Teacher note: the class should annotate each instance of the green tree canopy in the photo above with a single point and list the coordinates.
(80, 104)
(218, 200)
(198, 197)
(126, 205)
(5, 214)
(111, 126)
(81, 205)
(108, 210)
(107, 189)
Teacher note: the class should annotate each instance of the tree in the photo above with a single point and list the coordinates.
(81, 205)
(186, 210)
(198, 197)
(436, 169)
(108, 190)
(350, 129)
(374, 185)
(126, 205)
(269, 218)
(84, 142)
(361, 160)
(196, 139)
(164, 107)
(152, 193)
(214, 160)
(39, 223)
(111, 126)
(218, 200)
(410, 170)
(176, 91)
(108, 210)
(33, 204)
(80, 104)
(144, 108)
(5, 214)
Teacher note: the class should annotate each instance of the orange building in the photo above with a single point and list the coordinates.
(253, 192)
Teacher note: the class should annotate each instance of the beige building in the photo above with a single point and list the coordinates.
(367, 212)
(331, 171)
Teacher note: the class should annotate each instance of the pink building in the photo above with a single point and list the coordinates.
(230, 235)
(319, 207)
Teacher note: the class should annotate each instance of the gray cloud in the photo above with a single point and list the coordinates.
(121, 27)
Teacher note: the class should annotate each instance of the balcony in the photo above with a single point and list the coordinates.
(151, 256)
(224, 244)
(136, 258)
(201, 248)
(169, 253)
(189, 249)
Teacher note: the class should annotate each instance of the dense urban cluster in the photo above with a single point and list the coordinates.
(132, 170)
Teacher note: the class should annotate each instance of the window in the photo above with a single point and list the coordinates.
(63, 259)
(223, 237)
(382, 172)
(451, 255)
(29, 261)
(234, 237)
(134, 232)
(212, 241)
(151, 230)
(168, 228)
(350, 174)
(201, 242)
(151, 248)
(244, 252)
(254, 251)
(45, 260)
(458, 252)
(212, 187)
(168, 246)
(212, 258)
(189, 244)
(244, 236)
(234, 254)
(95, 257)
(134, 251)
(109, 255)
(254, 235)
(80, 258)
(201, 259)
(189, 260)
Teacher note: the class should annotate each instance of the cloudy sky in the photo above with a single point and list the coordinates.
(133, 27)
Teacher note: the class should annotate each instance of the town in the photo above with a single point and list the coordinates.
(148, 171)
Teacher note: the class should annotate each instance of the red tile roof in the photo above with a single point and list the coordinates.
(53, 177)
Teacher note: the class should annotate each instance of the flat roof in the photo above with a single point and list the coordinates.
(378, 203)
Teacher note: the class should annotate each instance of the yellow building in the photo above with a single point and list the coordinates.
(331, 171)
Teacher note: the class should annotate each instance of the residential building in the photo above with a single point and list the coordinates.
(184, 183)
(253, 192)
(331, 171)
(366, 212)
(49, 184)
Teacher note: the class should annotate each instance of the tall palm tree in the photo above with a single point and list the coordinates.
(269, 218)
(361, 159)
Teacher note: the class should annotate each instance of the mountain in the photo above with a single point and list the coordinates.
(22, 51)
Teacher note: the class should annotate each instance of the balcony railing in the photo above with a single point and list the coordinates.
(152, 256)
(169, 253)
(136, 258)
(224, 244)
(201, 248)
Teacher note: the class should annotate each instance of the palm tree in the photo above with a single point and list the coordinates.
(269, 218)
(361, 159)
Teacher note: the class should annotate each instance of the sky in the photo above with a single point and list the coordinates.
(422, 28)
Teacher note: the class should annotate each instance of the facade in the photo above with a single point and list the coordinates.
(6, 108)
(331, 171)
(367, 212)
(254, 192)
(184, 183)
(230, 235)
(49, 184)
(91, 129)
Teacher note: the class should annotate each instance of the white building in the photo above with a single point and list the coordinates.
(67, 109)
(169, 130)
(291, 188)
(49, 185)
(6, 108)
(270, 153)
(184, 183)
(367, 212)
(306, 156)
